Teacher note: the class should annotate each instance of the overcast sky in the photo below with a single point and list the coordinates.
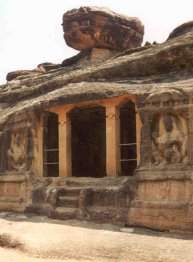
(31, 32)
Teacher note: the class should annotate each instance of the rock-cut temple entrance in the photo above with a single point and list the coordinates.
(88, 142)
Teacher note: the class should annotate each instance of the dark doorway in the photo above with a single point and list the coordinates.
(128, 139)
(51, 152)
(88, 138)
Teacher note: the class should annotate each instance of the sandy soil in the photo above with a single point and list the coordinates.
(44, 240)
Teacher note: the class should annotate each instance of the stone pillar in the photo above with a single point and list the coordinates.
(65, 166)
(112, 140)
(146, 140)
(190, 136)
(2, 151)
(138, 136)
(39, 152)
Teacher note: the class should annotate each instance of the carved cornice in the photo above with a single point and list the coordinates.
(112, 116)
(20, 122)
(166, 100)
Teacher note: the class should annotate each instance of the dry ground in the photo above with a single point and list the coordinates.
(33, 238)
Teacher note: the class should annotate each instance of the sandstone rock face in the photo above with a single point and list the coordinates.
(91, 57)
(46, 67)
(182, 29)
(21, 73)
(41, 68)
(89, 27)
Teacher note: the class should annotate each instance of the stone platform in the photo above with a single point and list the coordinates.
(96, 199)
(156, 200)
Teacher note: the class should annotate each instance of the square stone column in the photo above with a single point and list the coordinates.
(112, 141)
(39, 150)
(65, 165)
(138, 136)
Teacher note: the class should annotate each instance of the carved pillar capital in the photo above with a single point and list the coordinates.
(112, 116)
(62, 123)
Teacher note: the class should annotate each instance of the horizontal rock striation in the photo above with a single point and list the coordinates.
(132, 71)
(41, 68)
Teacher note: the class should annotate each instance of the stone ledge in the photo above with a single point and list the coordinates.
(12, 178)
(107, 209)
(163, 175)
(172, 204)
(105, 214)
(161, 218)
(9, 206)
(11, 199)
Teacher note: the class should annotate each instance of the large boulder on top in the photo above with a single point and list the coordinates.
(182, 29)
(89, 27)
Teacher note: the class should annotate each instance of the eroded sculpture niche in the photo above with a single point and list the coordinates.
(31, 137)
(16, 153)
(2, 143)
(169, 139)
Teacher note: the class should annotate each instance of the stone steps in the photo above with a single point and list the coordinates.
(72, 191)
(66, 212)
(81, 182)
(68, 201)
(89, 198)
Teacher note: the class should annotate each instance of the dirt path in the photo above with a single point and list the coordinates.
(41, 239)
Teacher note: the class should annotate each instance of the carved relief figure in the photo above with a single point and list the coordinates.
(16, 154)
(169, 135)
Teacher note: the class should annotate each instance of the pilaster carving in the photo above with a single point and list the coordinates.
(145, 150)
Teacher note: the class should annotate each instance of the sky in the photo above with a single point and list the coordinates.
(31, 31)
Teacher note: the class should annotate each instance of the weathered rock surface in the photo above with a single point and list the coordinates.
(41, 68)
(91, 57)
(182, 29)
(46, 67)
(45, 240)
(12, 75)
(141, 69)
(159, 195)
(89, 27)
